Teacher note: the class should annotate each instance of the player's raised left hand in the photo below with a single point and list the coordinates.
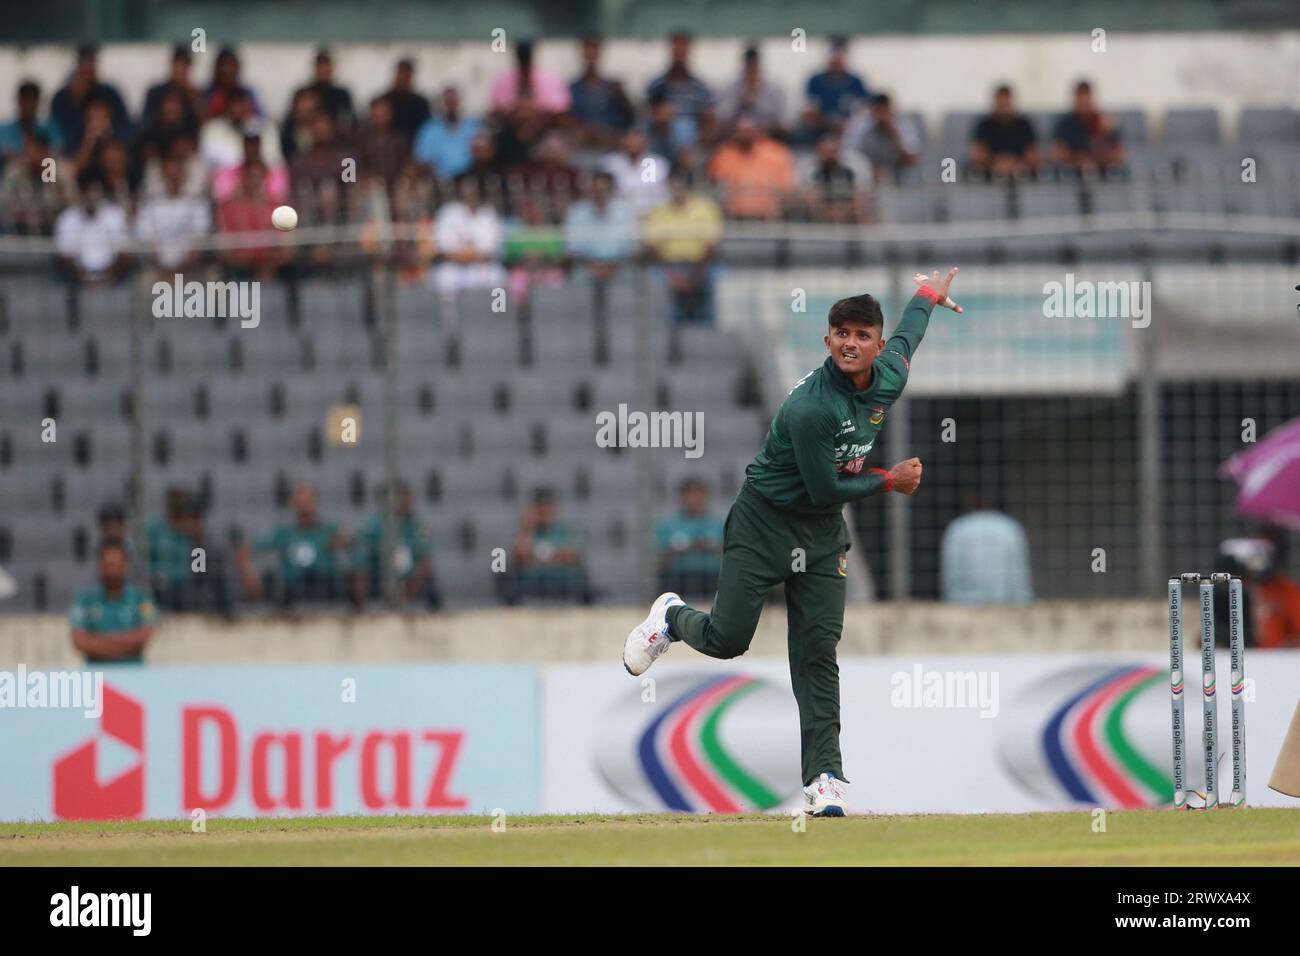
(940, 286)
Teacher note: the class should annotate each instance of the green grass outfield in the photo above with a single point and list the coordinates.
(1251, 836)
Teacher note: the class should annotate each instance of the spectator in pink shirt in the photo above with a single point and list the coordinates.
(548, 92)
(226, 180)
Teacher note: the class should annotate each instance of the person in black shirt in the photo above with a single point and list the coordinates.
(410, 109)
(601, 109)
(335, 100)
(1086, 140)
(833, 190)
(1004, 143)
(68, 108)
(179, 83)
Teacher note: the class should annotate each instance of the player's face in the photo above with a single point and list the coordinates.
(112, 568)
(854, 347)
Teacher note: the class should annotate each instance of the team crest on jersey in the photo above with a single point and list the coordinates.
(843, 568)
(877, 416)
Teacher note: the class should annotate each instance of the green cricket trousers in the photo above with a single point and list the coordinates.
(763, 546)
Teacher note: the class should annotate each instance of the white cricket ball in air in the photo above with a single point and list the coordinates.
(284, 218)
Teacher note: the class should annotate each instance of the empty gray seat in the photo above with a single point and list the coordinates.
(1044, 122)
(956, 131)
(1132, 126)
(1278, 125)
(1048, 200)
(1184, 126)
(707, 345)
(563, 305)
(907, 204)
(1206, 197)
(967, 202)
(416, 304)
(758, 251)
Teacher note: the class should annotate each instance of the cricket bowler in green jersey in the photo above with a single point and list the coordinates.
(786, 525)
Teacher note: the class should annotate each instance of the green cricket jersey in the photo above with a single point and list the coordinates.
(411, 548)
(302, 550)
(678, 532)
(94, 611)
(813, 459)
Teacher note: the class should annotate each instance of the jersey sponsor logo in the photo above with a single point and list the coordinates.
(851, 467)
(848, 452)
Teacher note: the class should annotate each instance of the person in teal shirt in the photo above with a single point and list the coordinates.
(114, 620)
(547, 559)
(309, 552)
(689, 543)
(168, 547)
(412, 556)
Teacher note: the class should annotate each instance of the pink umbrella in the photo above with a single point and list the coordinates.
(1269, 476)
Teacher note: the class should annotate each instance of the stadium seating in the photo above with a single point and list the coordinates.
(477, 437)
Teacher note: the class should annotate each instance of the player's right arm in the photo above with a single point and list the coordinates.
(812, 436)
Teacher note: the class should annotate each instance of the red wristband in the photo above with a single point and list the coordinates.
(926, 292)
(889, 478)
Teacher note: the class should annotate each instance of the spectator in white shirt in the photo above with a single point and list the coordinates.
(171, 223)
(891, 143)
(755, 95)
(640, 177)
(468, 235)
(221, 142)
(91, 236)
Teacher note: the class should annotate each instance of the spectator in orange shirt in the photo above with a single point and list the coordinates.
(1274, 596)
(754, 171)
(1277, 611)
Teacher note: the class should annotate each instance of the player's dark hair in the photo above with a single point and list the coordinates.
(111, 512)
(857, 310)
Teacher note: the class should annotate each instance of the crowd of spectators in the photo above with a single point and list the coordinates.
(556, 172)
(308, 561)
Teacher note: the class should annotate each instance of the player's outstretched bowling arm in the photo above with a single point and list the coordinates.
(930, 291)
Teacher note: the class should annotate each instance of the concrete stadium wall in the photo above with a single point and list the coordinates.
(932, 74)
(595, 634)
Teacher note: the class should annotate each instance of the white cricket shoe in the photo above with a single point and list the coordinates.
(649, 639)
(824, 797)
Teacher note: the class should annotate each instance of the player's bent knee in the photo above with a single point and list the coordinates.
(732, 643)
(729, 651)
